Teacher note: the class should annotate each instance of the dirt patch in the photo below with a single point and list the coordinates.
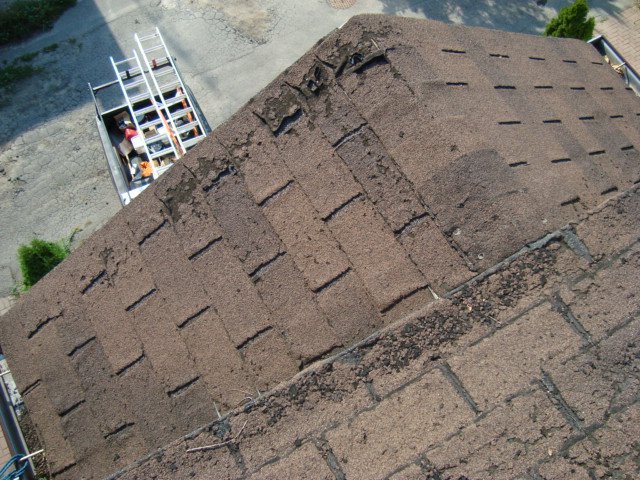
(249, 17)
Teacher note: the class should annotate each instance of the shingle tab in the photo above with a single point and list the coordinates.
(377, 257)
(306, 238)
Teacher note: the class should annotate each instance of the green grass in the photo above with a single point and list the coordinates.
(27, 57)
(25, 18)
(38, 258)
(14, 72)
(74, 41)
(51, 48)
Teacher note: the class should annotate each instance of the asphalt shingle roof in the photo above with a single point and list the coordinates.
(392, 163)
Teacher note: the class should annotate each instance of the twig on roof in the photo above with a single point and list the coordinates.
(249, 397)
(218, 445)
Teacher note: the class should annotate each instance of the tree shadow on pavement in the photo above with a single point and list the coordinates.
(525, 16)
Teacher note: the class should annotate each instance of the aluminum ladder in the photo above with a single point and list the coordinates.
(180, 111)
(135, 88)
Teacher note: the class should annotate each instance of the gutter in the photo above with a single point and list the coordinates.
(11, 429)
(605, 48)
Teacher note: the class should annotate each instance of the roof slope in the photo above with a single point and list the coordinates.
(527, 373)
(395, 159)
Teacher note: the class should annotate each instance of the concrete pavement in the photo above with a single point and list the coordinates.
(53, 175)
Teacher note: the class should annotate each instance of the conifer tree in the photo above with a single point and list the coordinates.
(572, 22)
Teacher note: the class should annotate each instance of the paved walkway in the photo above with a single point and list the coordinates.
(6, 303)
(623, 31)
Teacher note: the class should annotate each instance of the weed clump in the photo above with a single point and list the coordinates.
(38, 258)
(15, 72)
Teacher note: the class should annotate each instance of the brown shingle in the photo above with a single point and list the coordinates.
(243, 224)
(231, 292)
(316, 167)
(381, 179)
(378, 258)
(306, 238)
(294, 311)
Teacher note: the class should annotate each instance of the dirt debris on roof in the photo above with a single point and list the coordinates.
(391, 164)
